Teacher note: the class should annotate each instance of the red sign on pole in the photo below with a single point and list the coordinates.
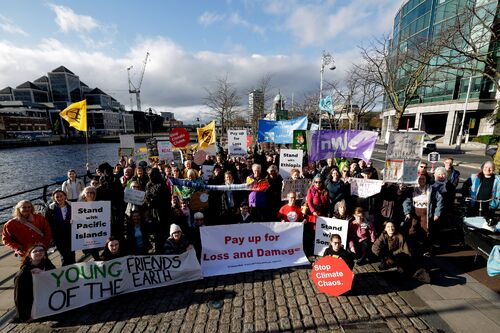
(332, 276)
(179, 137)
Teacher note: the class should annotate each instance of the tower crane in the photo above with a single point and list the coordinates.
(132, 89)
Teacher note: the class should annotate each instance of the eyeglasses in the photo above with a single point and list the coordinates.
(317, 182)
(38, 251)
(422, 166)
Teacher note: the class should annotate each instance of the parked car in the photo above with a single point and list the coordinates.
(429, 144)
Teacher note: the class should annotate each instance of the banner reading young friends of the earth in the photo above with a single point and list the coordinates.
(299, 140)
(325, 227)
(91, 224)
(342, 143)
(280, 131)
(248, 247)
(290, 159)
(77, 285)
(237, 142)
(299, 186)
(365, 188)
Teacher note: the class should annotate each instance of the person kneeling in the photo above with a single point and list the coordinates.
(391, 248)
(177, 243)
(336, 250)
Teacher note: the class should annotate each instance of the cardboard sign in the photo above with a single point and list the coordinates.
(77, 285)
(125, 152)
(141, 154)
(365, 188)
(165, 151)
(127, 141)
(433, 157)
(207, 171)
(236, 248)
(290, 159)
(325, 227)
(179, 137)
(299, 186)
(152, 146)
(237, 142)
(199, 157)
(91, 224)
(135, 197)
(401, 171)
(405, 145)
(332, 276)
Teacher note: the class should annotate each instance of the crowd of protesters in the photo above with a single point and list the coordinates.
(394, 227)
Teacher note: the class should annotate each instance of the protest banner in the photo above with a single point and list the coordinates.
(207, 171)
(332, 276)
(280, 131)
(299, 186)
(127, 141)
(179, 137)
(401, 171)
(325, 227)
(132, 196)
(152, 146)
(342, 143)
(290, 159)
(237, 142)
(200, 156)
(90, 224)
(77, 285)
(299, 140)
(365, 188)
(229, 249)
(141, 154)
(206, 135)
(165, 151)
(125, 152)
(405, 146)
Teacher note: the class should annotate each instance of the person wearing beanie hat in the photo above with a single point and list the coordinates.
(177, 243)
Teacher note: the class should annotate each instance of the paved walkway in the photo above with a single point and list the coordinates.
(287, 300)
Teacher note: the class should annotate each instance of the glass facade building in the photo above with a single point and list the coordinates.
(438, 106)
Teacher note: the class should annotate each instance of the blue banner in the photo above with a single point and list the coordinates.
(280, 131)
(326, 104)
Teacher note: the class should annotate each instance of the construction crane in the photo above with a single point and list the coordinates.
(136, 89)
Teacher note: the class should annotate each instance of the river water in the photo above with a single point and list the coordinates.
(31, 167)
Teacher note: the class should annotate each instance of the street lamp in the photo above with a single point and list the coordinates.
(458, 147)
(150, 116)
(326, 60)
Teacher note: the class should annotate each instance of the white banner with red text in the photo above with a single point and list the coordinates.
(239, 248)
(77, 285)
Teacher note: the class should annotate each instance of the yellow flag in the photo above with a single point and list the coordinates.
(206, 135)
(76, 115)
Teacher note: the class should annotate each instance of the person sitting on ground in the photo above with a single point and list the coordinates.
(177, 243)
(112, 249)
(336, 250)
(72, 186)
(291, 212)
(391, 248)
(59, 217)
(25, 229)
(35, 261)
(361, 235)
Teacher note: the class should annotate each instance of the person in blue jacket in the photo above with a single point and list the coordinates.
(483, 191)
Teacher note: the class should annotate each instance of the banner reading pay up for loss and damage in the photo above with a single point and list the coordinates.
(74, 286)
(229, 249)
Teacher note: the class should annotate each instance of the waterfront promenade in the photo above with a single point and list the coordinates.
(280, 300)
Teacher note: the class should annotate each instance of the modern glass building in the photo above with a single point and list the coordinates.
(438, 107)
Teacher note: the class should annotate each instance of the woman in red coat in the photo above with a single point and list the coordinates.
(25, 229)
(317, 202)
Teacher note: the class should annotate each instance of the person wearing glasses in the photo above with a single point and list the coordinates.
(35, 261)
(317, 200)
(336, 250)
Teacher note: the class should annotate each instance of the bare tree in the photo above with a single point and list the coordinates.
(223, 101)
(400, 70)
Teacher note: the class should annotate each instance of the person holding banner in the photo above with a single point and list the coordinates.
(59, 217)
(34, 261)
(257, 199)
(336, 250)
(25, 229)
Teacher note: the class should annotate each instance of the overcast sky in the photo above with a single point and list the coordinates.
(190, 44)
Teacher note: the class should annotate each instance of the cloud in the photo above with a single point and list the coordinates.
(175, 80)
(8, 26)
(68, 20)
(208, 18)
(236, 19)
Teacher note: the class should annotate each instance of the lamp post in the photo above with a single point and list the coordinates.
(150, 116)
(326, 59)
(458, 147)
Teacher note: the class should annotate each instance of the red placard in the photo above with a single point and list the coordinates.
(332, 276)
(179, 137)
(249, 141)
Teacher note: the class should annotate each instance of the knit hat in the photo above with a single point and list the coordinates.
(174, 228)
(198, 215)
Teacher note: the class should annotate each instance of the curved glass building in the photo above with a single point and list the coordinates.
(438, 107)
